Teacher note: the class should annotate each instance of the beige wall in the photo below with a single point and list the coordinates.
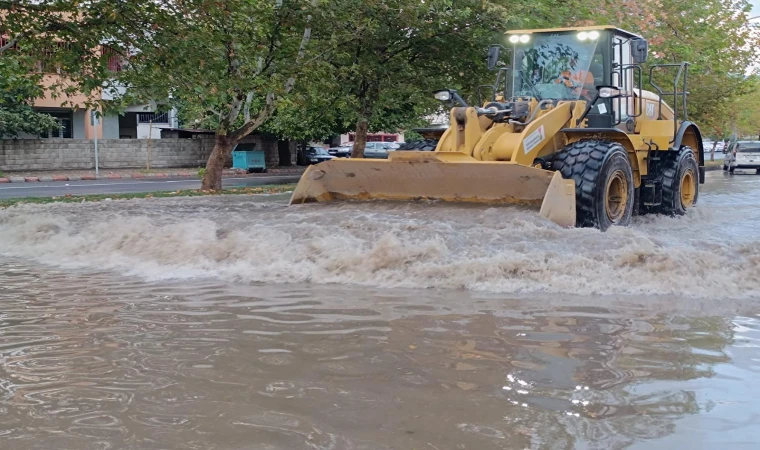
(66, 101)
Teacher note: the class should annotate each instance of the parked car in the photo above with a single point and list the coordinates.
(344, 151)
(376, 150)
(379, 150)
(743, 155)
(316, 155)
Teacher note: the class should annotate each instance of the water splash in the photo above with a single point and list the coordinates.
(504, 250)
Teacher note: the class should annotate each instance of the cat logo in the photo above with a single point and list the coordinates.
(650, 110)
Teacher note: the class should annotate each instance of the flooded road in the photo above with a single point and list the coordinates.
(235, 323)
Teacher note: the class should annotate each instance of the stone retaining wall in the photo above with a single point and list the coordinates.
(63, 154)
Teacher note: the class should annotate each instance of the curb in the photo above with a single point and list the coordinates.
(139, 176)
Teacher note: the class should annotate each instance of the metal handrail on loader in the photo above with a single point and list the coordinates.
(494, 87)
(683, 69)
(638, 75)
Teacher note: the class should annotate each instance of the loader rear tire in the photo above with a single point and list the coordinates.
(425, 145)
(680, 182)
(604, 190)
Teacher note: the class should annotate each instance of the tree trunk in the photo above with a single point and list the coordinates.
(712, 152)
(368, 95)
(283, 153)
(360, 140)
(301, 154)
(212, 179)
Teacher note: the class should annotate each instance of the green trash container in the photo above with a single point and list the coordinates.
(249, 159)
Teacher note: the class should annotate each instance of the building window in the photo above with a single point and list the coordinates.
(47, 62)
(115, 60)
(153, 117)
(65, 128)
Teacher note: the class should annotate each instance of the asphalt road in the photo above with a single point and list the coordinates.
(59, 188)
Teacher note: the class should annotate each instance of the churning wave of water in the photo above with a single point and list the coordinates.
(480, 248)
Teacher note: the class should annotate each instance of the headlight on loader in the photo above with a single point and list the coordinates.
(588, 35)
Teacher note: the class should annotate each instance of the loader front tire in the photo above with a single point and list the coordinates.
(425, 145)
(680, 182)
(604, 191)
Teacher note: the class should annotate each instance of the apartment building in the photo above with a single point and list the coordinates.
(76, 120)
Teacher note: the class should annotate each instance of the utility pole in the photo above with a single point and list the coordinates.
(95, 120)
(150, 133)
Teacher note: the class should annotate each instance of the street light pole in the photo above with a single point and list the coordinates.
(95, 121)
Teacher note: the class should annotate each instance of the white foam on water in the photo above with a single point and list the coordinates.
(480, 248)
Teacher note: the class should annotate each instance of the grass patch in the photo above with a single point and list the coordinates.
(2, 175)
(709, 163)
(253, 190)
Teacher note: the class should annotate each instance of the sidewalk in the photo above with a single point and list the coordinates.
(117, 174)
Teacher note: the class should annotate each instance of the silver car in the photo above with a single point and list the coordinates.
(379, 150)
(743, 155)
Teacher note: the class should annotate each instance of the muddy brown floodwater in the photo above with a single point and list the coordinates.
(239, 323)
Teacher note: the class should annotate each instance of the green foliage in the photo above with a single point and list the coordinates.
(223, 64)
(714, 36)
(369, 60)
(398, 54)
(381, 60)
(747, 115)
(267, 189)
(411, 135)
(18, 89)
(65, 37)
(201, 172)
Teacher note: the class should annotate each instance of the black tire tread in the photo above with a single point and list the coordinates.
(582, 162)
(670, 180)
(425, 145)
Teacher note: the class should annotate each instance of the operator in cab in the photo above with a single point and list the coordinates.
(580, 81)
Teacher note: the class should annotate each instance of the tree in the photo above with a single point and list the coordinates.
(714, 36)
(748, 111)
(393, 54)
(225, 63)
(35, 38)
(18, 89)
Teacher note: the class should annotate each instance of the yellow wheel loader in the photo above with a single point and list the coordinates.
(567, 125)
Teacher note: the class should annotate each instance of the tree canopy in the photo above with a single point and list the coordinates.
(308, 69)
(18, 89)
(714, 36)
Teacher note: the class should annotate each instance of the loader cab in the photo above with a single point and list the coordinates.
(575, 64)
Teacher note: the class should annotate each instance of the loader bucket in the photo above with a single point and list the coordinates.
(450, 176)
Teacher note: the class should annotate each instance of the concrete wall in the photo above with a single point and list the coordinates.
(62, 154)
